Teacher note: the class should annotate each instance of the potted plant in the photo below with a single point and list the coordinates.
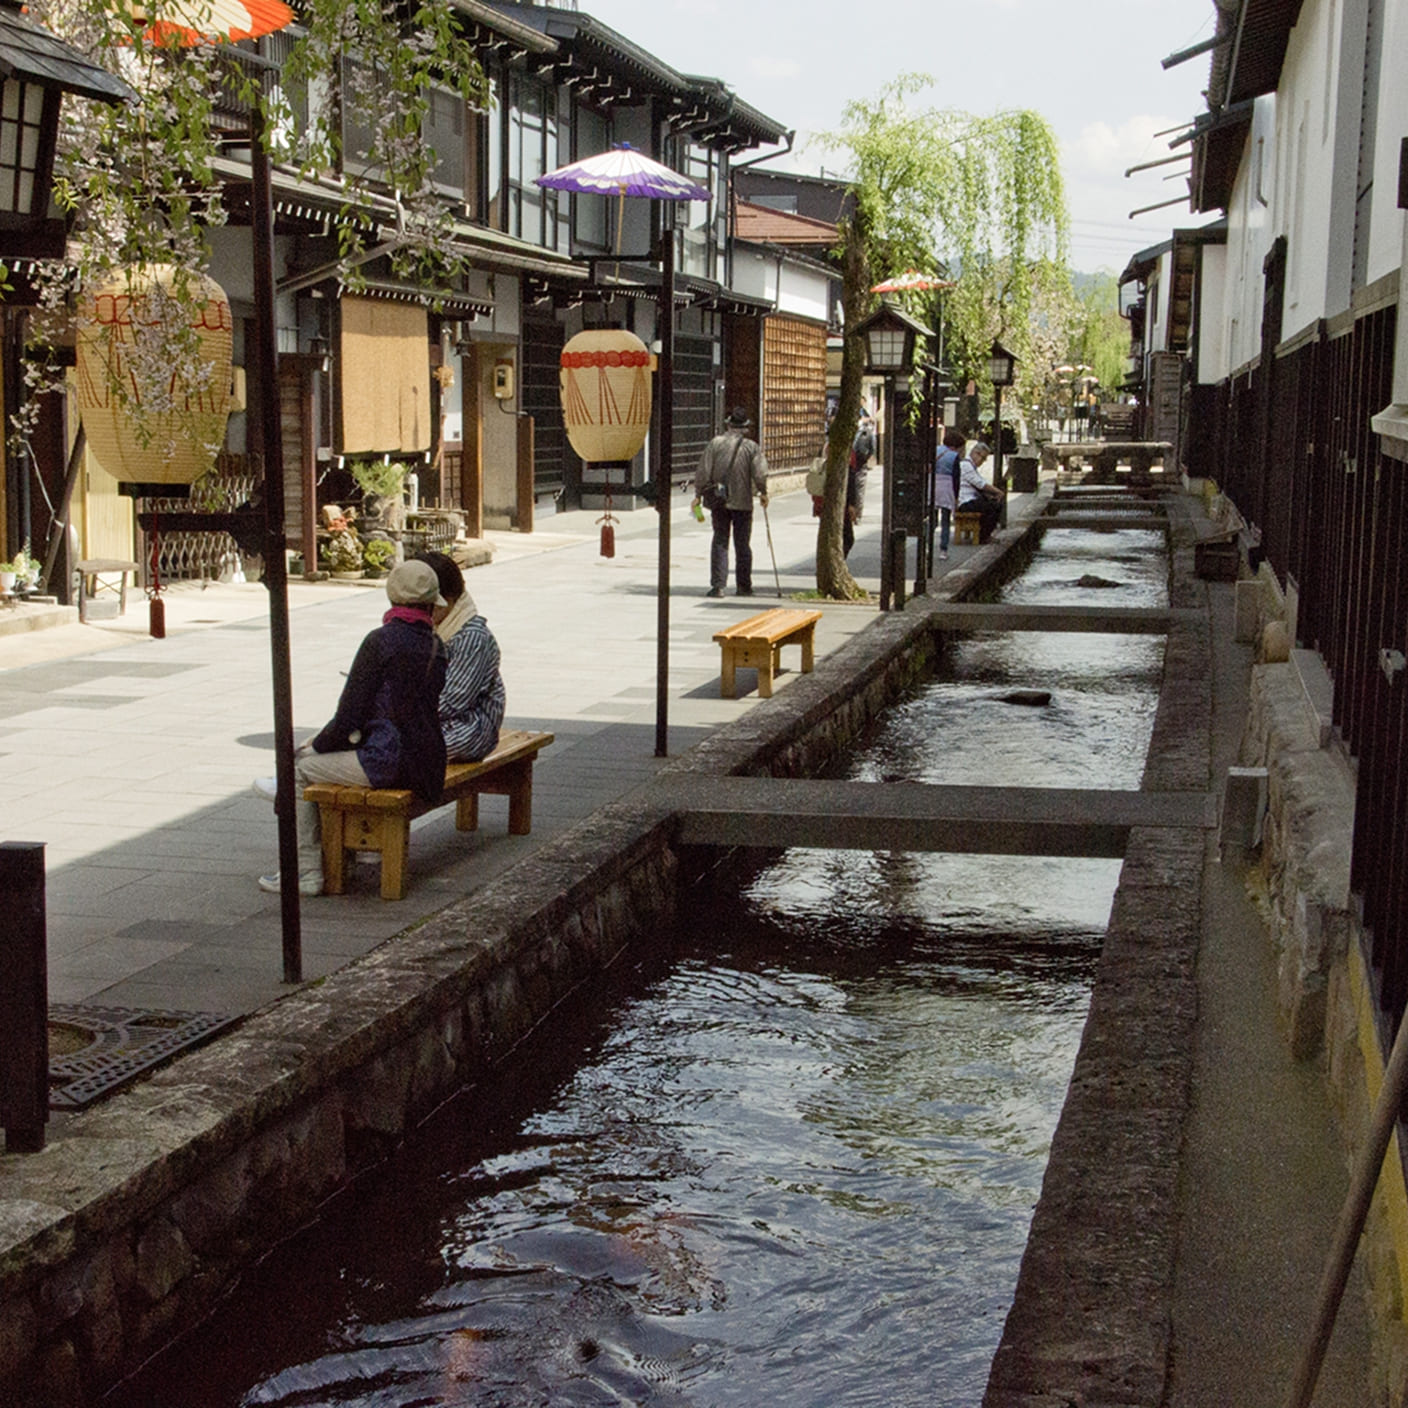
(382, 484)
(343, 554)
(379, 554)
(21, 573)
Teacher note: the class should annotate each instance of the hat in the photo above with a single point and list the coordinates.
(413, 584)
(738, 416)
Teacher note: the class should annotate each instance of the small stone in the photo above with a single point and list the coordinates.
(1030, 698)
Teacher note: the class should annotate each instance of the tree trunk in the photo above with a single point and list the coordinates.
(833, 577)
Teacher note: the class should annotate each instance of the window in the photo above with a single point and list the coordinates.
(596, 217)
(445, 133)
(702, 222)
(357, 134)
(537, 132)
(21, 147)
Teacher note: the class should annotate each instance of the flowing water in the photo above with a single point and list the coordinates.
(794, 1162)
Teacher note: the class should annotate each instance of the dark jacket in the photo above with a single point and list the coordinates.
(863, 445)
(391, 700)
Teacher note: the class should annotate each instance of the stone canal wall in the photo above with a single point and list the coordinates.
(126, 1228)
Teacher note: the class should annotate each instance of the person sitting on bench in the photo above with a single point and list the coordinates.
(975, 494)
(472, 702)
(386, 731)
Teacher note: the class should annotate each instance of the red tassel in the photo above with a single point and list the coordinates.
(157, 618)
(608, 540)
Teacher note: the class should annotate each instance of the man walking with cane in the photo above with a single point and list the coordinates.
(731, 469)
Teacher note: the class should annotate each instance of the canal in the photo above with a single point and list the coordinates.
(791, 1156)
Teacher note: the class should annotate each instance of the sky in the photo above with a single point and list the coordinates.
(1093, 71)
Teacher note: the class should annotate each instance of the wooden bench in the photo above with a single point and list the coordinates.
(379, 818)
(92, 569)
(757, 644)
(967, 527)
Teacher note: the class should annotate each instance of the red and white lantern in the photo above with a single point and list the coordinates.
(185, 433)
(605, 386)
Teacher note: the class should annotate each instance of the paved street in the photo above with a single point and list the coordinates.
(131, 758)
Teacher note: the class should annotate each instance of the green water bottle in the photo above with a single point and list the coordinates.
(699, 511)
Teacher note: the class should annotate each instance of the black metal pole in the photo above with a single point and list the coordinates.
(275, 562)
(928, 517)
(24, 999)
(887, 566)
(665, 319)
(998, 477)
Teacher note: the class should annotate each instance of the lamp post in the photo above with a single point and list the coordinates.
(889, 353)
(1001, 368)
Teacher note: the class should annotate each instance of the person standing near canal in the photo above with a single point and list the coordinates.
(946, 465)
(857, 470)
(731, 469)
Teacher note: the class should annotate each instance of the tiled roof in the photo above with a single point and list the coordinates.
(760, 224)
(33, 55)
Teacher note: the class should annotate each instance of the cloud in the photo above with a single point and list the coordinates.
(1100, 198)
(1102, 151)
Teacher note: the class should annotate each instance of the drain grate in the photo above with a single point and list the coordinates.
(95, 1050)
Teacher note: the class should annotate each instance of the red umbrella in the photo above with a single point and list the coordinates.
(184, 23)
(912, 281)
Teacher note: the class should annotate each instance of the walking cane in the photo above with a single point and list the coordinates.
(767, 523)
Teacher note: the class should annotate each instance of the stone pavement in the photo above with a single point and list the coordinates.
(131, 758)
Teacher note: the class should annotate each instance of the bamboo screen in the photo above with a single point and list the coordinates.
(794, 391)
(385, 367)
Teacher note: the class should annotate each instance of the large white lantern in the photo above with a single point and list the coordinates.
(605, 386)
(187, 424)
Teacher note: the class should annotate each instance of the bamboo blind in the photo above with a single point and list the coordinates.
(794, 391)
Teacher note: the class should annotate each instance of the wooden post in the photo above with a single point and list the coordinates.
(525, 474)
(24, 1000)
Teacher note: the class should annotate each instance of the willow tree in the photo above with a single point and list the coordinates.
(980, 198)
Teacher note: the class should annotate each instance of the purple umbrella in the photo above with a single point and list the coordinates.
(622, 172)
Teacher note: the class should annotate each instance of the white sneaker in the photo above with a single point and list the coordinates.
(310, 882)
(943, 556)
(266, 787)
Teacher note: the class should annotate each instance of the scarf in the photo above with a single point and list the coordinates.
(461, 610)
(416, 615)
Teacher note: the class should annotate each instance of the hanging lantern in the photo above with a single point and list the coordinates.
(605, 385)
(187, 430)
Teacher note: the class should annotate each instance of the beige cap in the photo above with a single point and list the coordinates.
(413, 584)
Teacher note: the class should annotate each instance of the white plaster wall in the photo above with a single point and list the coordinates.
(1212, 327)
(1301, 185)
(802, 291)
(1387, 225)
(1249, 236)
(1156, 315)
(754, 272)
(791, 287)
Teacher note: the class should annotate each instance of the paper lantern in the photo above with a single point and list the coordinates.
(605, 384)
(184, 434)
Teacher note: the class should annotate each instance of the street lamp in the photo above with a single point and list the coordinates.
(36, 69)
(889, 352)
(1002, 367)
